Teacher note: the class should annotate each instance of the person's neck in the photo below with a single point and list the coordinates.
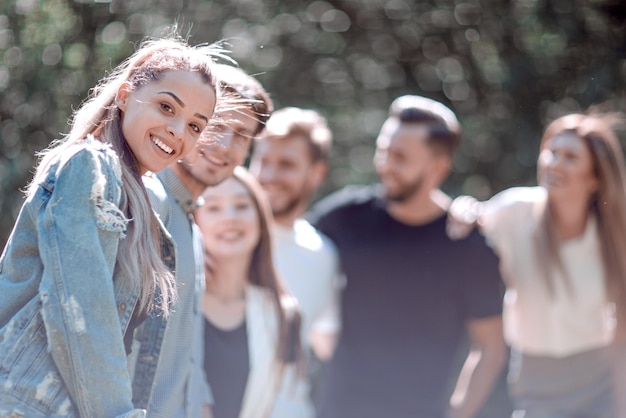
(229, 279)
(570, 218)
(288, 220)
(194, 186)
(419, 209)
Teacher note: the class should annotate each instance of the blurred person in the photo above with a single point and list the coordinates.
(561, 246)
(251, 323)
(411, 293)
(83, 263)
(175, 385)
(290, 161)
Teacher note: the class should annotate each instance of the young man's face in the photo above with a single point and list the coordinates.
(404, 162)
(287, 172)
(216, 160)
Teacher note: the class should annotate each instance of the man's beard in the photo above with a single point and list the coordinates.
(293, 204)
(407, 192)
(209, 178)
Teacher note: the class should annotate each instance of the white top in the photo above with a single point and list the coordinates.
(307, 263)
(536, 321)
(264, 378)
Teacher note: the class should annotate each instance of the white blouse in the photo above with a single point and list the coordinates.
(537, 321)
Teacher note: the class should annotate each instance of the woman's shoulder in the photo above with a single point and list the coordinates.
(517, 197)
(256, 293)
(511, 209)
(96, 152)
(81, 162)
(89, 154)
(263, 296)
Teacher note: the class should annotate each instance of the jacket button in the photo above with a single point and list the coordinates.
(121, 307)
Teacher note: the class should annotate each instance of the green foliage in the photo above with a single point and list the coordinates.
(505, 66)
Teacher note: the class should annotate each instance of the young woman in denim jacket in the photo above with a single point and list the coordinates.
(84, 258)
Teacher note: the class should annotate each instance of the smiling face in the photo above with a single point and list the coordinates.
(227, 148)
(229, 221)
(163, 119)
(288, 174)
(406, 165)
(566, 167)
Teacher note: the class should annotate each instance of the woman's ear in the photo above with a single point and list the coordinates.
(121, 98)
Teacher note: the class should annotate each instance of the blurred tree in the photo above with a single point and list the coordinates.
(505, 66)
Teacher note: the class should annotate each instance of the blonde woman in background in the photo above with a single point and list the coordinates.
(562, 248)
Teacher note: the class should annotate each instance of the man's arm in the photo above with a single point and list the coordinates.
(325, 329)
(324, 333)
(482, 367)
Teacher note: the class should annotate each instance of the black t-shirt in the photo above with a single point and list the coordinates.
(410, 291)
(227, 365)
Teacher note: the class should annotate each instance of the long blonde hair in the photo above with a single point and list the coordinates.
(99, 117)
(607, 205)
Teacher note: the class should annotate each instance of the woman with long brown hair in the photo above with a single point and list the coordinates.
(562, 249)
(252, 324)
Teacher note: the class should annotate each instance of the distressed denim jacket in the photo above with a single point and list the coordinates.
(63, 306)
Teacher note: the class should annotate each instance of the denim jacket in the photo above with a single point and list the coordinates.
(63, 306)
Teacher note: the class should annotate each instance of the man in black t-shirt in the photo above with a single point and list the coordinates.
(411, 292)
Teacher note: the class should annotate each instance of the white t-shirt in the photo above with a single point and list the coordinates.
(307, 263)
(535, 320)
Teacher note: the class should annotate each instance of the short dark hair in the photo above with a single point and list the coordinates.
(444, 127)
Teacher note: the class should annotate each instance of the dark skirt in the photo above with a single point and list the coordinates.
(576, 386)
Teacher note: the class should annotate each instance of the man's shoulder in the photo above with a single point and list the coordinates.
(154, 186)
(309, 237)
(346, 199)
(473, 242)
(163, 203)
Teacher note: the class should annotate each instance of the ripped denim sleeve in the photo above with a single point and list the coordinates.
(109, 217)
(80, 228)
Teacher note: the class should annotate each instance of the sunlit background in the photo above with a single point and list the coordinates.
(505, 66)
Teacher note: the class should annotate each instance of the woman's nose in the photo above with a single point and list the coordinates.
(230, 212)
(176, 128)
